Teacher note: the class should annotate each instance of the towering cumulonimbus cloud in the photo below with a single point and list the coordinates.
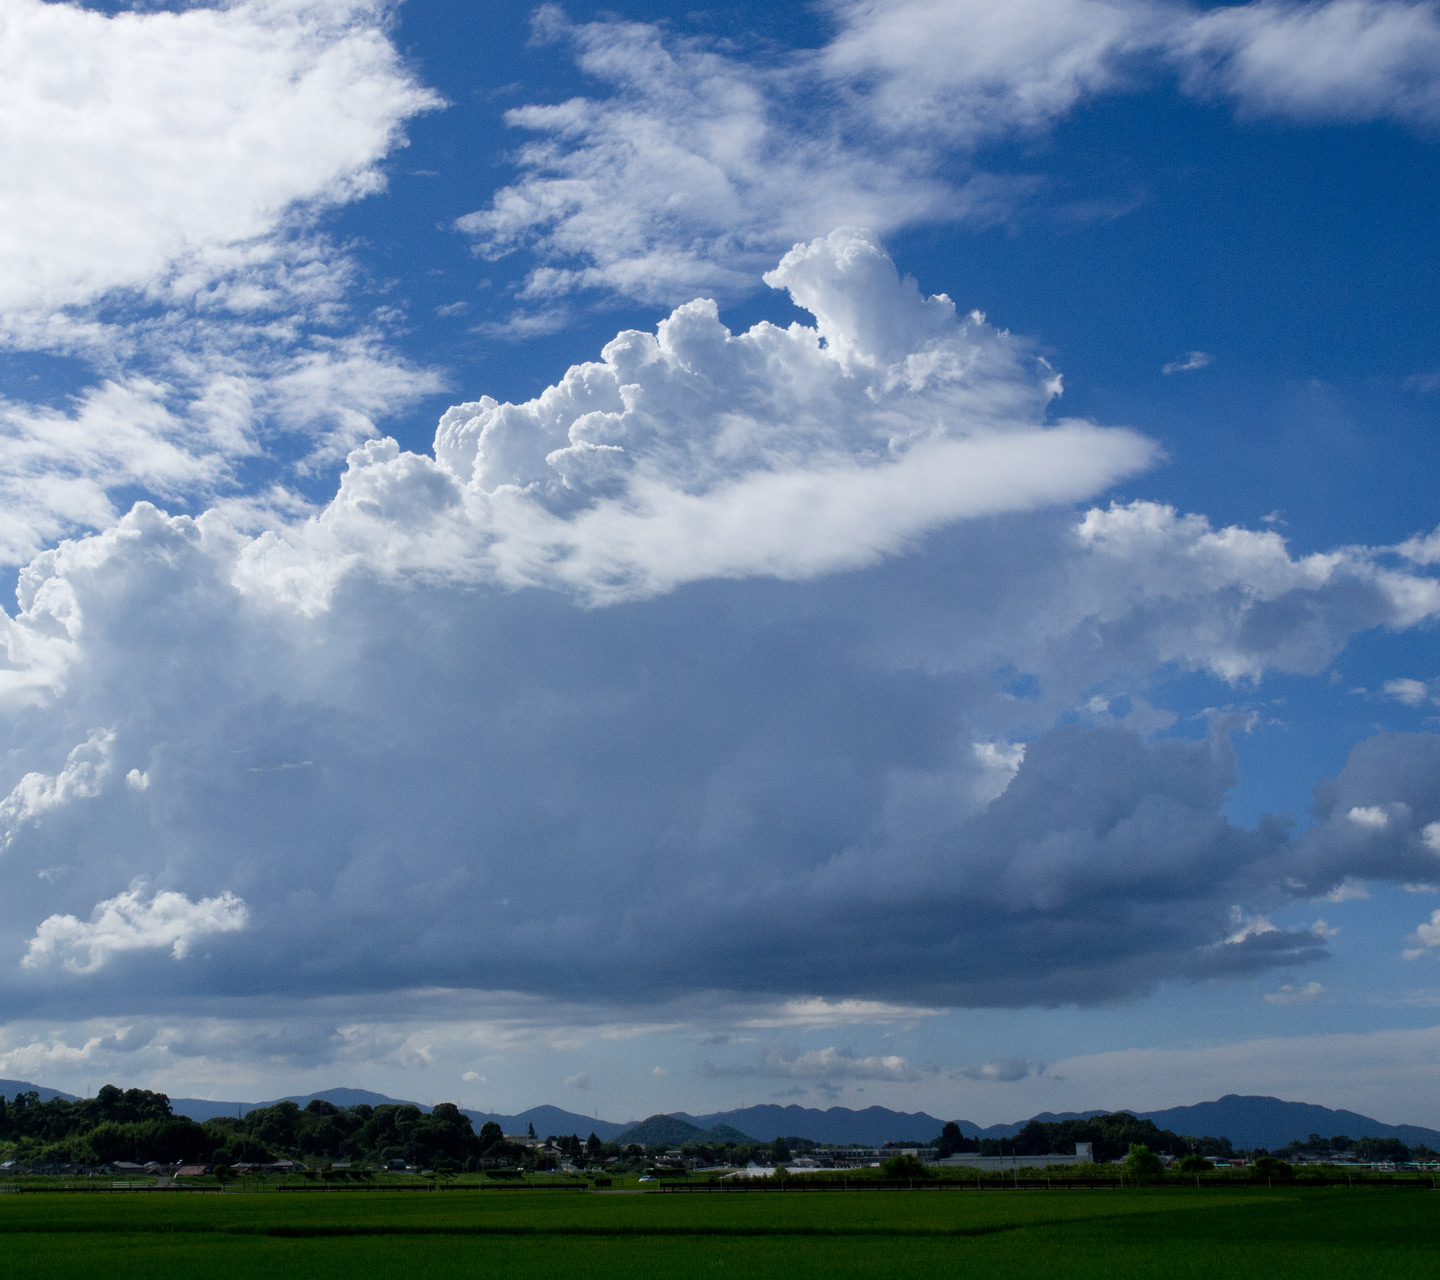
(639, 689)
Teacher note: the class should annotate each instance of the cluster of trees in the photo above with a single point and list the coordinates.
(1110, 1136)
(1369, 1150)
(113, 1125)
(441, 1138)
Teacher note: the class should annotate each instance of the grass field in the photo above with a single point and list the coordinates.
(1171, 1233)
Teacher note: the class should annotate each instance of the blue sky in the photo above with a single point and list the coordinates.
(647, 560)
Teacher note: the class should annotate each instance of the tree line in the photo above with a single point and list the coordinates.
(1110, 1137)
(1113, 1136)
(139, 1125)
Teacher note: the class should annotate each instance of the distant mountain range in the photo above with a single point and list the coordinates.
(674, 1132)
(868, 1128)
(11, 1087)
(1248, 1121)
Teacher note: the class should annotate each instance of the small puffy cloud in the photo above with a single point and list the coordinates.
(1294, 993)
(827, 1068)
(1348, 891)
(1189, 362)
(1247, 927)
(1369, 816)
(1411, 693)
(472, 1077)
(833, 1064)
(1422, 549)
(578, 1081)
(131, 922)
(86, 769)
(1425, 936)
(1004, 1070)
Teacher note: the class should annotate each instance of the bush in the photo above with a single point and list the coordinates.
(1143, 1165)
(904, 1168)
(1268, 1167)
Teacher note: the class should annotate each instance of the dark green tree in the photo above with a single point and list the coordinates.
(952, 1140)
(1142, 1165)
(1373, 1149)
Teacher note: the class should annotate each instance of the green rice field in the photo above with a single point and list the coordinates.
(1215, 1234)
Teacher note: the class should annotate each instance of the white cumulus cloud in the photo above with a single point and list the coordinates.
(131, 922)
(161, 149)
(1426, 936)
(1410, 693)
(834, 1064)
(86, 768)
(699, 453)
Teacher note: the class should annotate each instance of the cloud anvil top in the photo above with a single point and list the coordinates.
(769, 670)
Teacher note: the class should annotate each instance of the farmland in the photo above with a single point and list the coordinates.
(1301, 1232)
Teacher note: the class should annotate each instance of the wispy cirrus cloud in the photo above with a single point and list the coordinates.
(1297, 993)
(692, 163)
(1188, 363)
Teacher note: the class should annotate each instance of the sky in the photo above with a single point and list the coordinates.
(649, 559)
